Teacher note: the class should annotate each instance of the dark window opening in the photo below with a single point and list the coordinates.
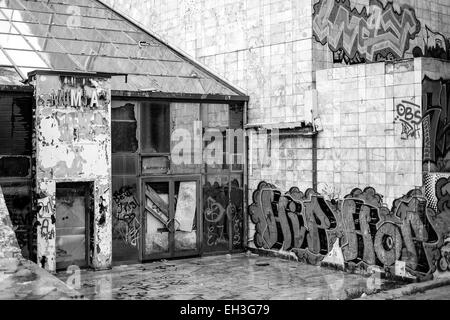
(124, 128)
(14, 167)
(155, 127)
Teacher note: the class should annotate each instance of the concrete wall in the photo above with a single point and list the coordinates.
(73, 144)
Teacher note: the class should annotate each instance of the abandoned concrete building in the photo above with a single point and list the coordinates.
(90, 105)
(343, 139)
(359, 93)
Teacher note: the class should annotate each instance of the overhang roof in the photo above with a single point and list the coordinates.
(87, 36)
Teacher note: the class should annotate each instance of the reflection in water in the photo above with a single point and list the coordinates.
(225, 277)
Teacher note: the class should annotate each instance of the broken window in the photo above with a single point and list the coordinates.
(215, 121)
(186, 153)
(155, 128)
(185, 215)
(157, 218)
(18, 200)
(124, 128)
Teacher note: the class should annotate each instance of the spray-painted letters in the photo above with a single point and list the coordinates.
(375, 34)
(369, 233)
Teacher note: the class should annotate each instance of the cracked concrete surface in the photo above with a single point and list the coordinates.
(237, 277)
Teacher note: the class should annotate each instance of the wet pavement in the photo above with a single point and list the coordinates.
(434, 294)
(237, 277)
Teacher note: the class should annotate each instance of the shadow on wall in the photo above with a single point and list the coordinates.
(407, 240)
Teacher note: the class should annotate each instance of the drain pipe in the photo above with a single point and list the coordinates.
(246, 171)
(314, 159)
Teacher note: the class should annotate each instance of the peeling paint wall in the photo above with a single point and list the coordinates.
(73, 144)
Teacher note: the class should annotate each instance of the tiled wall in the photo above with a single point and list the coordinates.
(362, 142)
(292, 167)
(262, 46)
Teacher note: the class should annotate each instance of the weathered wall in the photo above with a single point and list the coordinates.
(73, 144)
(371, 128)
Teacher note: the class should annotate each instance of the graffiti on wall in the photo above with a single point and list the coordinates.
(223, 216)
(46, 231)
(368, 232)
(376, 33)
(126, 219)
(435, 45)
(436, 126)
(409, 115)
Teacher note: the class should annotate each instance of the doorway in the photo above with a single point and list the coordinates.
(74, 209)
(171, 217)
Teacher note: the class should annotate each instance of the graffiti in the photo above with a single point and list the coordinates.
(305, 220)
(444, 262)
(214, 211)
(214, 214)
(237, 201)
(410, 116)
(46, 233)
(128, 224)
(436, 124)
(368, 232)
(377, 33)
(45, 207)
(442, 192)
(435, 46)
(223, 215)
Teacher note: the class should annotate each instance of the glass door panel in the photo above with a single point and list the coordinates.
(172, 217)
(157, 218)
(186, 215)
(71, 230)
(216, 228)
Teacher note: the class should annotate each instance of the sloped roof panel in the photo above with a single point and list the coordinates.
(88, 36)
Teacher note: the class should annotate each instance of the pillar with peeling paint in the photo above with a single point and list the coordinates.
(73, 144)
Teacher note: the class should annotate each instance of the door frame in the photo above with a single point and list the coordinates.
(172, 253)
(87, 235)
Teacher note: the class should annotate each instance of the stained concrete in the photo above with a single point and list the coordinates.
(237, 277)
